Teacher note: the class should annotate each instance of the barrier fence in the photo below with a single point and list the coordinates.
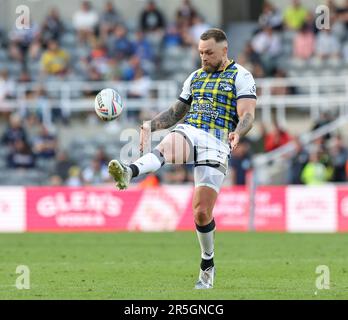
(168, 208)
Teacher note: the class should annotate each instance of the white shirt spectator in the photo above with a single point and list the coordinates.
(198, 27)
(267, 42)
(7, 87)
(140, 87)
(95, 174)
(327, 44)
(85, 20)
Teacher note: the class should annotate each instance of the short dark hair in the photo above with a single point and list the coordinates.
(217, 34)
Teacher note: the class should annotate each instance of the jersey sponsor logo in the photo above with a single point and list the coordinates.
(205, 106)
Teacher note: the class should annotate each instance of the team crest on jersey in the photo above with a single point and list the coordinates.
(225, 86)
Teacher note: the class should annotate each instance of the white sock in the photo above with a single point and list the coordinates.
(150, 162)
(206, 239)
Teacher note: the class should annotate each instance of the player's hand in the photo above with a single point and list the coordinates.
(233, 138)
(145, 134)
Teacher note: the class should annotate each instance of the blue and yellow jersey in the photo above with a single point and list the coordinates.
(213, 98)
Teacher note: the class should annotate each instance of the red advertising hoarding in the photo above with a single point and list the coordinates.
(79, 209)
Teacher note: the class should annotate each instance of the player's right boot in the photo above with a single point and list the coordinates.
(206, 279)
(121, 173)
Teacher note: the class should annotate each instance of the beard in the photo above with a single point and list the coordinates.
(210, 68)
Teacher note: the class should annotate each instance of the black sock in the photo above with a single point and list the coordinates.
(205, 264)
(135, 170)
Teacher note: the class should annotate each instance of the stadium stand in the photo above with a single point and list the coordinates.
(50, 73)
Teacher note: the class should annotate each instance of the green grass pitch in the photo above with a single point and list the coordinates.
(165, 265)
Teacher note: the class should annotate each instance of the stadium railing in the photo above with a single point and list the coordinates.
(310, 94)
(314, 94)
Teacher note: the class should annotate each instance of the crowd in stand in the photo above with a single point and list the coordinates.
(98, 45)
(311, 38)
(109, 49)
(325, 160)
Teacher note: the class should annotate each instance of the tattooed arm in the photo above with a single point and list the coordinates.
(246, 114)
(169, 117)
(163, 120)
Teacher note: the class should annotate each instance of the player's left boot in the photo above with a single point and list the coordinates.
(206, 279)
(121, 173)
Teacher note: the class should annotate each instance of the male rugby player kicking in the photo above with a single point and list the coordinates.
(217, 105)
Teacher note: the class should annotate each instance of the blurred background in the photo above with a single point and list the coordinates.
(53, 64)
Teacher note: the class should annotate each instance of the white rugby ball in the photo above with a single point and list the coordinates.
(108, 104)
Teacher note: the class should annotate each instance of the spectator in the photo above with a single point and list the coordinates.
(7, 86)
(339, 157)
(120, 46)
(151, 18)
(342, 16)
(197, 28)
(22, 37)
(267, 44)
(327, 45)
(63, 165)
(24, 76)
(151, 181)
(21, 156)
(314, 172)
(85, 20)
(45, 144)
(109, 19)
(140, 85)
(42, 107)
(275, 138)
(295, 15)
(297, 162)
(114, 72)
(139, 88)
(102, 157)
(324, 119)
(130, 68)
(249, 56)
(35, 51)
(14, 132)
(52, 27)
(319, 146)
(143, 48)
(172, 37)
(98, 58)
(74, 178)
(56, 181)
(270, 16)
(304, 43)
(95, 173)
(240, 163)
(55, 61)
(15, 53)
(185, 14)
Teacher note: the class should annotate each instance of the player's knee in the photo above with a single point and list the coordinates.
(201, 214)
(164, 148)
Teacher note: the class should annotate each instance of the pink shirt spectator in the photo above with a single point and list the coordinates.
(304, 44)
